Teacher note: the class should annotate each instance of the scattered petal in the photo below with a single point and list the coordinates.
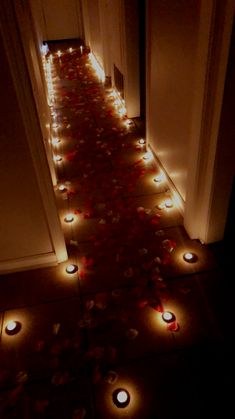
(102, 221)
(132, 333)
(22, 377)
(79, 413)
(56, 328)
(173, 326)
(143, 251)
(111, 377)
(129, 273)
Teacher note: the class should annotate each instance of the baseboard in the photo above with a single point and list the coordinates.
(27, 263)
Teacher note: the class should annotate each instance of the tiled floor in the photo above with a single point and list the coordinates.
(86, 334)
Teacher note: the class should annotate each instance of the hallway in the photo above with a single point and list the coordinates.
(85, 334)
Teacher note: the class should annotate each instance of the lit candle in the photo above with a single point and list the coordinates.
(190, 257)
(147, 156)
(69, 218)
(168, 203)
(58, 158)
(158, 178)
(121, 397)
(81, 49)
(55, 141)
(59, 53)
(71, 269)
(62, 188)
(12, 327)
(141, 141)
(168, 317)
(70, 49)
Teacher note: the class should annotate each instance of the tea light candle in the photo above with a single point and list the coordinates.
(62, 188)
(168, 317)
(58, 158)
(121, 397)
(158, 178)
(69, 218)
(168, 203)
(190, 257)
(55, 141)
(13, 327)
(71, 269)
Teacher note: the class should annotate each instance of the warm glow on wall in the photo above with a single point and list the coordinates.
(118, 102)
(96, 66)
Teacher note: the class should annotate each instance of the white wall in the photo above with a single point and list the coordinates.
(95, 32)
(111, 31)
(39, 19)
(31, 235)
(212, 139)
(24, 230)
(32, 40)
(171, 49)
(187, 52)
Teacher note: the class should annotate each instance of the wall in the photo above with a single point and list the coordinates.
(95, 31)
(32, 40)
(224, 162)
(58, 19)
(208, 191)
(24, 231)
(171, 49)
(111, 31)
(31, 235)
(39, 18)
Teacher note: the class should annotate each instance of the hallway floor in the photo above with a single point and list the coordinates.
(84, 335)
